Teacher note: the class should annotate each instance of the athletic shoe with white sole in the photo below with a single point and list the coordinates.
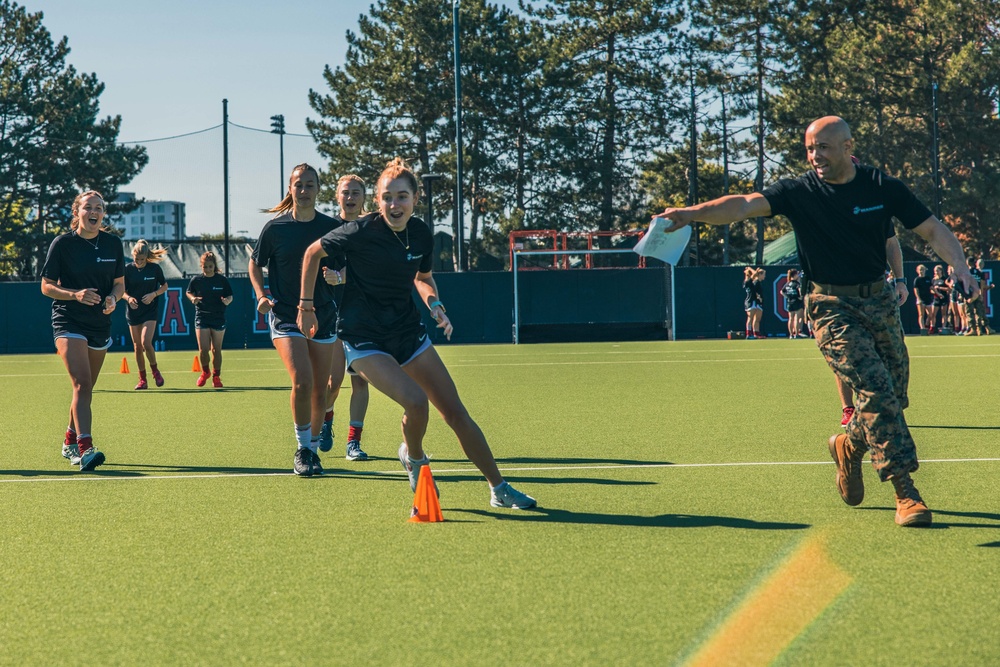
(90, 459)
(412, 467)
(354, 451)
(71, 452)
(326, 436)
(506, 495)
(303, 464)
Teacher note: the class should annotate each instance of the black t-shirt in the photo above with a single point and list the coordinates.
(378, 296)
(753, 293)
(841, 230)
(792, 292)
(940, 289)
(281, 247)
(922, 286)
(212, 291)
(77, 263)
(140, 282)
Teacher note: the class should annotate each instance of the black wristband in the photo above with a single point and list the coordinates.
(899, 280)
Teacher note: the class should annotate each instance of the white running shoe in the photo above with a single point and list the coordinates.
(412, 467)
(506, 495)
(71, 452)
(90, 459)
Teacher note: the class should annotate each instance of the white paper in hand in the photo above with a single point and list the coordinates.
(666, 247)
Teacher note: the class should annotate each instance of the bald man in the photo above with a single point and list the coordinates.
(842, 215)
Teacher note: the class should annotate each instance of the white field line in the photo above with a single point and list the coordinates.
(629, 466)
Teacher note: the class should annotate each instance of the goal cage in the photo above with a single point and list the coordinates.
(562, 296)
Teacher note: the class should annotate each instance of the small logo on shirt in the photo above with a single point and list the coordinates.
(216, 289)
(150, 278)
(106, 259)
(410, 257)
(858, 210)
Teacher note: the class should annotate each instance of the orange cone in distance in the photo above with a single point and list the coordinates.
(426, 506)
(124, 370)
(196, 365)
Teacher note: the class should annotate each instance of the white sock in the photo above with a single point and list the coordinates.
(303, 434)
(314, 443)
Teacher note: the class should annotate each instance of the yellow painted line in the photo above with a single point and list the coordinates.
(778, 610)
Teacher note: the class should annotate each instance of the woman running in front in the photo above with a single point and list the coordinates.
(144, 283)
(84, 272)
(210, 293)
(280, 247)
(387, 254)
(351, 200)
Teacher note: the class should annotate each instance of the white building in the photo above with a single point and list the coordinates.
(151, 220)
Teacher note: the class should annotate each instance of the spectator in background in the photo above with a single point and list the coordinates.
(957, 305)
(978, 323)
(210, 293)
(753, 302)
(940, 305)
(924, 296)
(792, 291)
(144, 283)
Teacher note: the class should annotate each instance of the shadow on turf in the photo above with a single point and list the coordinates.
(659, 521)
(941, 525)
(535, 460)
(970, 428)
(190, 390)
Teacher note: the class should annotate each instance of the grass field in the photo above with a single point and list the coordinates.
(687, 515)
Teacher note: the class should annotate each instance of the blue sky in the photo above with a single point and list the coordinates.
(167, 65)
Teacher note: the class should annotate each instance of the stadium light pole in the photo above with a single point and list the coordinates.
(459, 212)
(278, 128)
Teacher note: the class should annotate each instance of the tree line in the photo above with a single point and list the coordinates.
(593, 114)
(578, 115)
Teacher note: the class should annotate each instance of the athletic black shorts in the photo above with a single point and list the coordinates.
(403, 348)
(215, 323)
(284, 325)
(97, 339)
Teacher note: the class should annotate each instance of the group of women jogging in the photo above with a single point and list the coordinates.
(338, 300)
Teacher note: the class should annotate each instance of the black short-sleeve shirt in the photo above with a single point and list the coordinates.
(841, 229)
(211, 290)
(922, 286)
(281, 247)
(378, 297)
(139, 283)
(77, 263)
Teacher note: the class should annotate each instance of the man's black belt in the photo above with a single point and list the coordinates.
(863, 290)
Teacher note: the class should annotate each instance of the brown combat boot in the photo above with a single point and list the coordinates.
(910, 507)
(848, 459)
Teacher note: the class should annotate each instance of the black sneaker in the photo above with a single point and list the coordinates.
(303, 465)
(317, 468)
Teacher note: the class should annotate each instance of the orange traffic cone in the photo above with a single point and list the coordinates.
(426, 507)
(196, 365)
(124, 370)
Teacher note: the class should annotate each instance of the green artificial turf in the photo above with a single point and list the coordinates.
(195, 544)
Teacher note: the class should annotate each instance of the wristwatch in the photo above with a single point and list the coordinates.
(899, 280)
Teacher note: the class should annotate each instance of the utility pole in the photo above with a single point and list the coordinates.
(225, 181)
(278, 128)
(459, 208)
(935, 158)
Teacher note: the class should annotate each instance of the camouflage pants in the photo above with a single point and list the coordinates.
(862, 341)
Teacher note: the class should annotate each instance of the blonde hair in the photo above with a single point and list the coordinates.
(75, 211)
(141, 247)
(287, 203)
(349, 178)
(398, 168)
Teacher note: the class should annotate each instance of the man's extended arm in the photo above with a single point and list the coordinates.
(949, 249)
(721, 211)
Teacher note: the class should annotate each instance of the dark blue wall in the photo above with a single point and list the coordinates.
(598, 304)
